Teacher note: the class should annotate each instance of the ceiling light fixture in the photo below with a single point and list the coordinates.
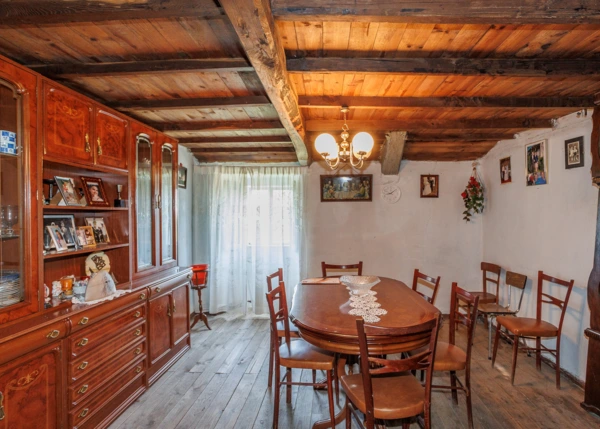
(336, 154)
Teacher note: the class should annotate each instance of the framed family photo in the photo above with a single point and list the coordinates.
(430, 185)
(350, 187)
(505, 171)
(99, 229)
(66, 187)
(58, 239)
(536, 163)
(86, 234)
(574, 153)
(94, 191)
(66, 227)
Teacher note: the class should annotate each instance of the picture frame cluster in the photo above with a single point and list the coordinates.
(91, 193)
(62, 234)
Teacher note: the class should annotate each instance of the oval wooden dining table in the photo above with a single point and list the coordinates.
(320, 311)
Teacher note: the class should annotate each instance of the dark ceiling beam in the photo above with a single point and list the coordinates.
(254, 25)
(191, 103)
(441, 11)
(425, 124)
(540, 67)
(444, 102)
(42, 12)
(204, 65)
(218, 126)
(234, 140)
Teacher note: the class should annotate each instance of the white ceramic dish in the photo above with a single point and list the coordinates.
(359, 285)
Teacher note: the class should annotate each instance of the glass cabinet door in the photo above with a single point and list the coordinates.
(12, 282)
(143, 202)
(166, 204)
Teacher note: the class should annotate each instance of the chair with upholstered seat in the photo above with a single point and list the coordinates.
(385, 389)
(296, 354)
(428, 282)
(352, 268)
(530, 328)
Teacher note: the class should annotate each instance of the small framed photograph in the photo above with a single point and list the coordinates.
(349, 187)
(574, 153)
(88, 235)
(430, 186)
(57, 237)
(182, 177)
(536, 163)
(66, 226)
(505, 171)
(94, 191)
(99, 229)
(67, 189)
(81, 238)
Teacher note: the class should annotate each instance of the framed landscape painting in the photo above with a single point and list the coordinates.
(351, 187)
(536, 163)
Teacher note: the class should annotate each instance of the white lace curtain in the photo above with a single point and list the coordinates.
(247, 224)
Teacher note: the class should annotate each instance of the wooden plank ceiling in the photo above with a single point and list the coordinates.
(257, 81)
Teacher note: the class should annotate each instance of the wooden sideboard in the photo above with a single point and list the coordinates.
(77, 365)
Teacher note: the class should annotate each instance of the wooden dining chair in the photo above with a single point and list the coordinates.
(491, 310)
(385, 389)
(486, 270)
(337, 268)
(296, 354)
(529, 328)
(277, 335)
(428, 282)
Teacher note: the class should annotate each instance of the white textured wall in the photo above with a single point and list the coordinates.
(394, 239)
(549, 227)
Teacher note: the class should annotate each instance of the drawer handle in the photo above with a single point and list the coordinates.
(83, 342)
(88, 149)
(53, 334)
(84, 412)
(137, 332)
(142, 296)
(83, 365)
(138, 350)
(84, 320)
(99, 147)
(157, 289)
(83, 389)
(138, 369)
(137, 314)
(173, 306)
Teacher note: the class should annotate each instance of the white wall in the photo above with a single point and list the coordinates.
(549, 227)
(394, 239)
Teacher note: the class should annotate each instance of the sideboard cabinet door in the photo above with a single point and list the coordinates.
(159, 327)
(111, 140)
(67, 125)
(181, 319)
(30, 389)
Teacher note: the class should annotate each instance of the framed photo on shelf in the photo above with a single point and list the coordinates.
(58, 238)
(99, 229)
(505, 171)
(182, 177)
(574, 153)
(68, 191)
(94, 191)
(430, 185)
(349, 187)
(81, 237)
(88, 235)
(66, 226)
(536, 163)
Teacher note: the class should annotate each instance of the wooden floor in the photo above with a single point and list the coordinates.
(222, 383)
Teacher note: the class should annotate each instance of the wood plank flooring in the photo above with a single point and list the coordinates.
(222, 383)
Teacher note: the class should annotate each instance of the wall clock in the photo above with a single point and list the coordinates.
(391, 193)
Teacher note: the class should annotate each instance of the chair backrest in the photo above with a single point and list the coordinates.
(371, 364)
(486, 269)
(325, 267)
(276, 275)
(280, 314)
(544, 298)
(429, 282)
(518, 281)
(457, 316)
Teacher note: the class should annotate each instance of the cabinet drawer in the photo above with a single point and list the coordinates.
(86, 340)
(90, 407)
(85, 388)
(102, 311)
(85, 365)
(157, 290)
(32, 340)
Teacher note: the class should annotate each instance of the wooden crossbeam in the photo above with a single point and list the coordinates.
(444, 102)
(126, 68)
(219, 126)
(440, 11)
(58, 12)
(459, 137)
(391, 152)
(199, 141)
(190, 103)
(425, 124)
(241, 149)
(539, 67)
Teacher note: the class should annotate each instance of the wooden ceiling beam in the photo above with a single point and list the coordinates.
(459, 137)
(539, 67)
(254, 24)
(425, 124)
(241, 149)
(43, 12)
(190, 103)
(391, 152)
(233, 140)
(126, 68)
(440, 11)
(444, 102)
(218, 126)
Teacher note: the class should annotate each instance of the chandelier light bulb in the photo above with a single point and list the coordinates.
(362, 142)
(326, 144)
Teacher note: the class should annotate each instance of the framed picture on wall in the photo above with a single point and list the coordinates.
(182, 177)
(350, 187)
(430, 185)
(536, 163)
(505, 171)
(574, 152)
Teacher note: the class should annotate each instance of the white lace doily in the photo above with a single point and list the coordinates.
(366, 307)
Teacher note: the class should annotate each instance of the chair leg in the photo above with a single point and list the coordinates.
(271, 355)
(453, 384)
(406, 424)
(469, 404)
(288, 387)
(348, 416)
(277, 393)
(336, 379)
(514, 358)
(490, 339)
(314, 375)
(558, 364)
(538, 353)
(496, 341)
(330, 397)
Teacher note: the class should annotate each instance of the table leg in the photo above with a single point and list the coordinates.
(490, 338)
(341, 415)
